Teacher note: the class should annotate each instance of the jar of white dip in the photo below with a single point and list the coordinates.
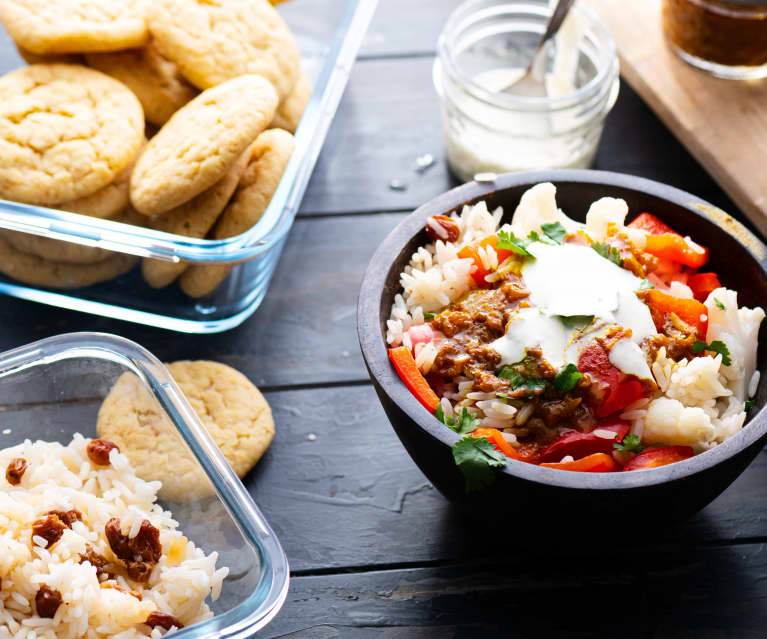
(483, 47)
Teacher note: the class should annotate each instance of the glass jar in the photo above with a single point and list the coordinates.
(482, 47)
(727, 38)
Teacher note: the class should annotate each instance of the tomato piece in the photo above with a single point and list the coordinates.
(659, 457)
(702, 284)
(408, 372)
(579, 445)
(480, 271)
(653, 225)
(690, 311)
(596, 463)
(626, 393)
(420, 334)
(496, 438)
(674, 247)
(619, 389)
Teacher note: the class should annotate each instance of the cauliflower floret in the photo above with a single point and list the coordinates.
(669, 423)
(602, 213)
(538, 206)
(738, 328)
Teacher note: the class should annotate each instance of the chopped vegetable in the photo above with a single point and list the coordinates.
(534, 236)
(408, 372)
(480, 271)
(630, 444)
(608, 252)
(715, 347)
(659, 457)
(510, 242)
(467, 422)
(690, 311)
(517, 380)
(566, 379)
(476, 458)
(596, 463)
(555, 231)
(719, 305)
(503, 254)
(576, 321)
(420, 334)
(648, 222)
(495, 437)
(429, 316)
(677, 249)
(620, 390)
(579, 445)
(702, 284)
(749, 404)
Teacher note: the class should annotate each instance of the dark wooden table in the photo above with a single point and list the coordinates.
(375, 551)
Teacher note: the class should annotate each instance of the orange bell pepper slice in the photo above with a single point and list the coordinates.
(596, 463)
(480, 271)
(690, 311)
(408, 372)
(665, 243)
(495, 437)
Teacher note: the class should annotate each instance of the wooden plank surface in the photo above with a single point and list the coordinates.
(722, 122)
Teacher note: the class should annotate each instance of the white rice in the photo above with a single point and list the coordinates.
(62, 478)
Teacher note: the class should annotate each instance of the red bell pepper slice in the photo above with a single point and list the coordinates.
(702, 284)
(480, 271)
(665, 243)
(408, 372)
(659, 457)
(690, 311)
(493, 241)
(579, 445)
(495, 437)
(596, 463)
(621, 390)
(653, 225)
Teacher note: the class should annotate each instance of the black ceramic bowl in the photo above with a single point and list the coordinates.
(522, 491)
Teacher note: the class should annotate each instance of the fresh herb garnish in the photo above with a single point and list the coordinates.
(630, 444)
(715, 347)
(429, 316)
(566, 379)
(645, 285)
(749, 404)
(476, 457)
(555, 231)
(534, 236)
(719, 305)
(517, 380)
(467, 422)
(576, 321)
(608, 252)
(510, 242)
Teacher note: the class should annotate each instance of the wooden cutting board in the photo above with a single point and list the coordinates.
(723, 123)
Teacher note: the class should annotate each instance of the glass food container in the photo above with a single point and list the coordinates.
(328, 36)
(483, 46)
(727, 38)
(53, 388)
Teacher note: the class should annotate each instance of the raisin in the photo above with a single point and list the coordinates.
(103, 567)
(47, 601)
(16, 470)
(49, 528)
(98, 451)
(140, 553)
(67, 517)
(161, 619)
(441, 227)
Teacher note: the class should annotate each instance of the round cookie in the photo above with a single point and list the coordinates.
(52, 58)
(229, 406)
(66, 131)
(75, 26)
(192, 219)
(200, 143)
(54, 250)
(212, 41)
(269, 155)
(292, 108)
(34, 270)
(154, 79)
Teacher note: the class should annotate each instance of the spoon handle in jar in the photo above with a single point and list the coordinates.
(556, 20)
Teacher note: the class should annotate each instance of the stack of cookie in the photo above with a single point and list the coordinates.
(215, 84)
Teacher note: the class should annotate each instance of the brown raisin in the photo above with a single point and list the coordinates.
(140, 553)
(49, 528)
(161, 619)
(98, 451)
(103, 567)
(67, 517)
(16, 470)
(47, 601)
(441, 227)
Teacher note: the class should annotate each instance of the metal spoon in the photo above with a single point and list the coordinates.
(531, 82)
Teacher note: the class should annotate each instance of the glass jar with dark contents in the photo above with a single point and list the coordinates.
(727, 38)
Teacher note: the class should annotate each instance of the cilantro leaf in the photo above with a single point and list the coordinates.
(476, 457)
(534, 236)
(645, 285)
(566, 379)
(630, 444)
(608, 252)
(517, 380)
(719, 305)
(715, 347)
(576, 321)
(555, 231)
(467, 422)
(440, 415)
(510, 242)
(429, 316)
(749, 404)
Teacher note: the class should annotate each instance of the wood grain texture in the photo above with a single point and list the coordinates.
(722, 122)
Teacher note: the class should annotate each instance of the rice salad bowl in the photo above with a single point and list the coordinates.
(85, 550)
(604, 346)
